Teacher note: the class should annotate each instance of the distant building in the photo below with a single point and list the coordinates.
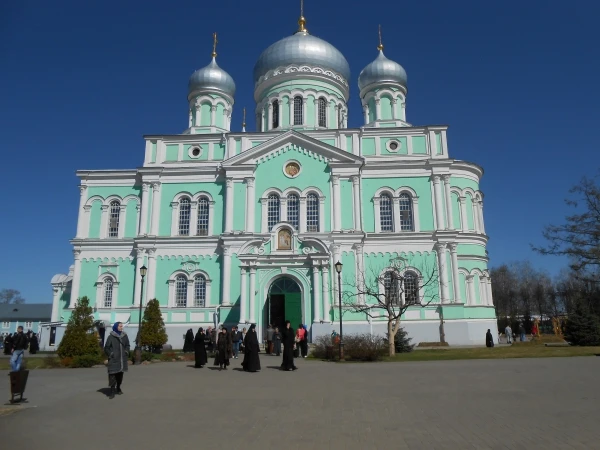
(27, 315)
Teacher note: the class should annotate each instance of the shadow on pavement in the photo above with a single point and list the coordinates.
(105, 391)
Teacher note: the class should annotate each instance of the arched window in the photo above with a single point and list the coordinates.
(406, 213)
(390, 285)
(293, 210)
(312, 213)
(298, 111)
(184, 216)
(113, 222)
(411, 288)
(275, 122)
(386, 214)
(200, 291)
(108, 292)
(181, 291)
(322, 112)
(203, 216)
(273, 211)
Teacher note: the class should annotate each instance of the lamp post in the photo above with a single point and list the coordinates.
(338, 269)
(138, 347)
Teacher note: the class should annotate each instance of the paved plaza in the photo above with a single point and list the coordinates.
(483, 404)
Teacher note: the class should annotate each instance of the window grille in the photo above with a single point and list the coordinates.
(203, 216)
(5, 324)
(293, 210)
(275, 122)
(411, 288)
(390, 285)
(113, 223)
(181, 291)
(184, 216)
(273, 211)
(108, 292)
(406, 213)
(386, 214)
(322, 112)
(312, 213)
(28, 325)
(199, 291)
(298, 111)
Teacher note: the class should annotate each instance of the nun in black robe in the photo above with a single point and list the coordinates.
(200, 349)
(251, 362)
(489, 339)
(289, 339)
(8, 344)
(34, 345)
(223, 349)
(188, 344)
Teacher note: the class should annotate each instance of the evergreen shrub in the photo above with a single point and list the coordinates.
(582, 326)
(153, 334)
(402, 342)
(357, 347)
(79, 339)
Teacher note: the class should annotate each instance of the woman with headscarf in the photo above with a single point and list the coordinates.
(251, 362)
(199, 349)
(489, 339)
(188, 343)
(117, 350)
(34, 345)
(289, 338)
(223, 349)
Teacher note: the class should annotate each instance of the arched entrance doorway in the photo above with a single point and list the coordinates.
(284, 302)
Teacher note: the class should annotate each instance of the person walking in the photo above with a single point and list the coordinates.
(277, 341)
(34, 345)
(521, 332)
(251, 362)
(200, 356)
(270, 331)
(508, 333)
(302, 340)
(223, 350)
(288, 340)
(236, 338)
(117, 349)
(489, 339)
(19, 345)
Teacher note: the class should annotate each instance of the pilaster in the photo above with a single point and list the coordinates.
(155, 209)
(80, 216)
(226, 280)
(143, 219)
(455, 277)
(316, 290)
(229, 206)
(443, 271)
(76, 279)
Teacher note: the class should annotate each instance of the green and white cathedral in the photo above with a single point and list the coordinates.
(239, 227)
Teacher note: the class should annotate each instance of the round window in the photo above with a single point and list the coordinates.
(195, 152)
(393, 146)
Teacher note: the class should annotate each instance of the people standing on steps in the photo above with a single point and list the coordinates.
(200, 356)
(288, 340)
(117, 349)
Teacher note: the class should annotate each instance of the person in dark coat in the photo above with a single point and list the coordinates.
(489, 339)
(289, 340)
(251, 362)
(223, 349)
(277, 341)
(188, 343)
(34, 344)
(117, 349)
(8, 344)
(200, 349)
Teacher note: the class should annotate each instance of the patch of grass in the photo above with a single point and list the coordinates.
(31, 363)
(516, 351)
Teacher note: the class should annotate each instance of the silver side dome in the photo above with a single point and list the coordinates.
(211, 77)
(301, 48)
(382, 70)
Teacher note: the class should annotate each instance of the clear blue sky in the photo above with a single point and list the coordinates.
(81, 82)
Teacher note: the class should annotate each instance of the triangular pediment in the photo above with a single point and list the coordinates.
(294, 141)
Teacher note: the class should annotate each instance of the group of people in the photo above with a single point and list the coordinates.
(275, 339)
(32, 341)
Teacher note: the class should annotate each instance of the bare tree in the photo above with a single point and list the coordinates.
(11, 296)
(390, 292)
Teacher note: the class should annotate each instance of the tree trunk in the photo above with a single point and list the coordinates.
(391, 336)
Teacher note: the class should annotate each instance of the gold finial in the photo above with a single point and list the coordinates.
(215, 42)
(380, 46)
(302, 20)
(244, 119)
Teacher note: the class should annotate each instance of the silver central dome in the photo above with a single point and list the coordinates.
(211, 77)
(380, 71)
(301, 48)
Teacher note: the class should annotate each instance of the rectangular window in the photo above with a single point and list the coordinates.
(28, 325)
(5, 324)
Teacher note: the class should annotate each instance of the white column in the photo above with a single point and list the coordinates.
(150, 281)
(316, 115)
(80, 216)
(366, 113)
(475, 216)
(104, 213)
(190, 119)
(396, 214)
(189, 300)
(455, 276)
(252, 294)
(304, 123)
(448, 195)
(302, 218)
(471, 290)
(316, 288)
(291, 100)
(76, 279)
(283, 209)
(377, 109)
(250, 205)
(213, 114)
(482, 290)
(443, 271)
(226, 281)
(489, 292)
(137, 288)
(87, 212)
(376, 205)
(394, 108)
(56, 291)
(337, 207)
(360, 271)
(142, 226)
(439, 211)
(481, 226)
(326, 294)
(356, 197)
(197, 115)
(337, 256)
(194, 218)
(154, 222)
(121, 228)
(270, 116)
(464, 222)
(279, 113)
(229, 206)
(264, 224)
(243, 294)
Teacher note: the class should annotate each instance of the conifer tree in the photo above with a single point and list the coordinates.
(582, 326)
(153, 334)
(402, 342)
(79, 340)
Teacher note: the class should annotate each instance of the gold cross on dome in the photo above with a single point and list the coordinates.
(215, 42)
